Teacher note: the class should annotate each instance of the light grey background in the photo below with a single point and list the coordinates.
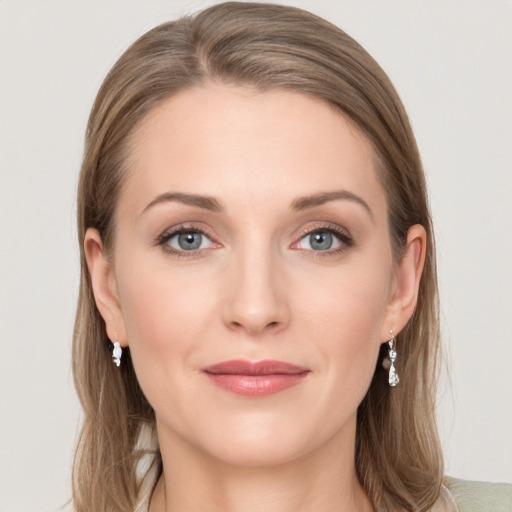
(451, 62)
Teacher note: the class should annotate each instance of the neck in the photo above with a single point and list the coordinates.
(322, 480)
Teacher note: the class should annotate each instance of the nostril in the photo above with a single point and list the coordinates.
(254, 328)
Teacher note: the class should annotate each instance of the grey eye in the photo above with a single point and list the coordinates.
(320, 241)
(189, 241)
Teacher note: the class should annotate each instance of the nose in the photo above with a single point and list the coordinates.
(256, 301)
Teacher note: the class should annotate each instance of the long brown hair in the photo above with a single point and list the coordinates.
(398, 457)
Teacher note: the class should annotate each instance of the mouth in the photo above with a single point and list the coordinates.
(257, 379)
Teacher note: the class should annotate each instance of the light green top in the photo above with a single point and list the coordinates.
(480, 496)
(456, 496)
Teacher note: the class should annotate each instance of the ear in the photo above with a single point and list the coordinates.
(104, 286)
(406, 282)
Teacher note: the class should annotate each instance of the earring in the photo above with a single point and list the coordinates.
(393, 378)
(117, 352)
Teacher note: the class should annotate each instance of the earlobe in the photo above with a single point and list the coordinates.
(104, 286)
(408, 276)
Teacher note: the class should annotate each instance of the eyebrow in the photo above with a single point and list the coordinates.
(205, 202)
(312, 200)
(298, 204)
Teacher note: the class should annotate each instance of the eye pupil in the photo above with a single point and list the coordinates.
(189, 241)
(321, 241)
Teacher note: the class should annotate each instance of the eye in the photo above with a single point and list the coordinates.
(326, 240)
(320, 241)
(185, 240)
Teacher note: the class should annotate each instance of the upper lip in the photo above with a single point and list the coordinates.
(241, 367)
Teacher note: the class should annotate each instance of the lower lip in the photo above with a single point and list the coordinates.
(256, 385)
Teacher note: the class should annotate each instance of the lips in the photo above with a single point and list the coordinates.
(260, 378)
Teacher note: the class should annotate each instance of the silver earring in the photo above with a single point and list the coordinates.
(393, 378)
(117, 352)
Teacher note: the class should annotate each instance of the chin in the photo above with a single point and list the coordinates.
(258, 452)
(254, 440)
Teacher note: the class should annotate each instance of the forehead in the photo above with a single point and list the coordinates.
(235, 142)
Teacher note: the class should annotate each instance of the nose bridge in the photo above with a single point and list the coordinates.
(257, 301)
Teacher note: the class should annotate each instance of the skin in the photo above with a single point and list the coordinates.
(258, 288)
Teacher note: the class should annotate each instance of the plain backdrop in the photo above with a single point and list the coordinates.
(451, 61)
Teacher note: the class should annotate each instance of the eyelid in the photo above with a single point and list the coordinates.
(323, 225)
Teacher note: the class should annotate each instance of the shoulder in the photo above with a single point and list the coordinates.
(480, 496)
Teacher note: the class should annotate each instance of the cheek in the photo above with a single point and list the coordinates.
(158, 306)
(347, 302)
(345, 318)
(166, 312)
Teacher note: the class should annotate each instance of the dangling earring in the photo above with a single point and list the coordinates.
(117, 352)
(393, 378)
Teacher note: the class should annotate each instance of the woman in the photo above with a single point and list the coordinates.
(256, 245)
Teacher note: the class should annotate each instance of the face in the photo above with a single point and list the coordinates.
(252, 228)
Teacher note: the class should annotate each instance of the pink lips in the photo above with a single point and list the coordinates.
(255, 379)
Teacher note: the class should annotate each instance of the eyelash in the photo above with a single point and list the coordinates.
(346, 240)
